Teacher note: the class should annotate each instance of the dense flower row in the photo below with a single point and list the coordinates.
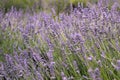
(82, 45)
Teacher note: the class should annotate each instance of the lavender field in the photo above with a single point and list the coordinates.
(81, 45)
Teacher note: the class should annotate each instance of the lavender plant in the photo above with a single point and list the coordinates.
(82, 45)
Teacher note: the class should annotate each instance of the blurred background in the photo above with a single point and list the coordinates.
(46, 5)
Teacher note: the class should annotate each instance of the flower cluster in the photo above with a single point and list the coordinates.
(84, 44)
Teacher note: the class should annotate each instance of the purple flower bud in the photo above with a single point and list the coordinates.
(76, 66)
(118, 64)
(50, 55)
(63, 76)
(115, 6)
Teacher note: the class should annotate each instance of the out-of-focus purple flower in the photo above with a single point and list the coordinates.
(52, 71)
(115, 6)
(50, 55)
(97, 74)
(94, 74)
(90, 58)
(76, 67)
(118, 65)
(39, 76)
(2, 73)
(51, 63)
(63, 76)
(77, 37)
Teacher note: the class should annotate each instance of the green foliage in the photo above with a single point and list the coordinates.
(18, 4)
(58, 5)
(75, 2)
